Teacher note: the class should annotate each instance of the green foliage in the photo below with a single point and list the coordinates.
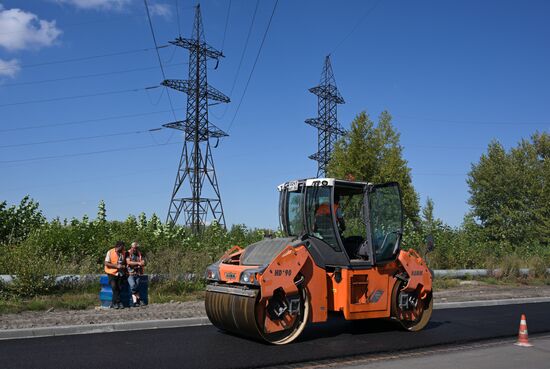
(510, 193)
(17, 222)
(374, 154)
(35, 271)
(78, 246)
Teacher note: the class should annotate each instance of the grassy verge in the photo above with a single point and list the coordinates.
(172, 291)
(70, 300)
(86, 297)
(446, 283)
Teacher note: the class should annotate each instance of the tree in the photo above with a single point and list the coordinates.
(374, 154)
(429, 222)
(510, 192)
(17, 222)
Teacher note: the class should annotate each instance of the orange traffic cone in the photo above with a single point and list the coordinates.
(523, 339)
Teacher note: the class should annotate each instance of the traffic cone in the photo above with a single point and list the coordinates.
(523, 339)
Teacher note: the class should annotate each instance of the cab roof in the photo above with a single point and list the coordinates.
(310, 182)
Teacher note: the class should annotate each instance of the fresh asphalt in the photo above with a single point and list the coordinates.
(206, 347)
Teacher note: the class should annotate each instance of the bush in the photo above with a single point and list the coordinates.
(34, 272)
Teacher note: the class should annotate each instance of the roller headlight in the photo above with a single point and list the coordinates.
(249, 277)
(212, 273)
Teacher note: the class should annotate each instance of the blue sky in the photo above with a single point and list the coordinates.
(454, 75)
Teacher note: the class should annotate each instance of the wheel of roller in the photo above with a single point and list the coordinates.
(290, 334)
(414, 319)
(245, 315)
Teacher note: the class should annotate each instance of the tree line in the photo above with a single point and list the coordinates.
(509, 218)
(508, 224)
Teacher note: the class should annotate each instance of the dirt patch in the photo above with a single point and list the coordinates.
(475, 291)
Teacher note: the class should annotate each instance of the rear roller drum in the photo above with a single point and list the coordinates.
(412, 312)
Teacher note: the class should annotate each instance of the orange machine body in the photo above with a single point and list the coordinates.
(272, 288)
(357, 294)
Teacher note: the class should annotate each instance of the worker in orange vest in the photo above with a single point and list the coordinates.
(115, 267)
(135, 263)
(324, 210)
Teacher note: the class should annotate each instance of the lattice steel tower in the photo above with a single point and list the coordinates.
(196, 164)
(328, 128)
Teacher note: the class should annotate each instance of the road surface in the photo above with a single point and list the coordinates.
(206, 347)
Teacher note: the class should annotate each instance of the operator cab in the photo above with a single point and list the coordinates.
(347, 223)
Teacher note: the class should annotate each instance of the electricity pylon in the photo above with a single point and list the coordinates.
(328, 128)
(196, 166)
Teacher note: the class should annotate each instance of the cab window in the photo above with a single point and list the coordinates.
(295, 216)
(386, 220)
(320, 213)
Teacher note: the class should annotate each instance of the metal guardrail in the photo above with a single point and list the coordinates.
(463, 273)
(87, 278)
(438, 273)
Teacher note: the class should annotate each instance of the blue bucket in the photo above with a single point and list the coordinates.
(106, 293)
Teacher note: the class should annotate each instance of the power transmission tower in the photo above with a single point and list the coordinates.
(328, 128)
(196, 164)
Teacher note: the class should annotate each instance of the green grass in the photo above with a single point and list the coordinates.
(86, 297)
(176, 291)
(74, 300)
(444, 283)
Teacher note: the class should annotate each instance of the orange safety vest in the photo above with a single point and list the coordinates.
(324, 209)
(113, 259)
(135, 270)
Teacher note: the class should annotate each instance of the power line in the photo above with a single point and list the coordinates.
(99, 20)
(435, 174)
(226, 23)
(83, 76)
(79, 138)
(361, 19)
(254, 65)
(473, 122)
(241, 60)
(39, 158)
(73, 97)
(115, 117)
(160, 60)
(177, 17)
(86, 180)
(91, 57)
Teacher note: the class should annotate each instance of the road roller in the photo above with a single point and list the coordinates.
(340, 252)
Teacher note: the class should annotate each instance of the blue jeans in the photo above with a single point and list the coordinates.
(133, 281)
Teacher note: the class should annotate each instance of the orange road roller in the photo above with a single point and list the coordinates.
(340, 253)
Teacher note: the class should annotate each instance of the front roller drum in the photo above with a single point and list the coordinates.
(233, 313)
(240, 312)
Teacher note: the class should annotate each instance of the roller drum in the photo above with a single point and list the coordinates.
(233, 313)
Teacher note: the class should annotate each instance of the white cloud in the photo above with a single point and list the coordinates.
(21, 30)
(9, 68)
(162, 10)
(97, 4)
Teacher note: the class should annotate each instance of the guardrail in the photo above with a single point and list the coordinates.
(463, 273)
(87, 278)
(438, 273)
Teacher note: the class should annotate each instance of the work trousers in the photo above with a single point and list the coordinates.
(116, 285)
(134, 282)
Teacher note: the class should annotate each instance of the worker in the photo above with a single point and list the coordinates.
(135, 264)
(324, 210)
(115, 267)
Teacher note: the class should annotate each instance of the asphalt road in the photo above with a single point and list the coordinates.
(206, 347)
